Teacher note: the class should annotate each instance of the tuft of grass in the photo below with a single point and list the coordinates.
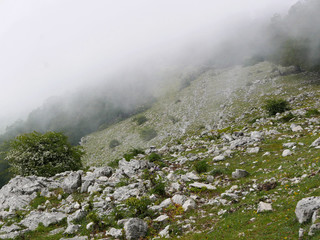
(202, 166)
(312, 113)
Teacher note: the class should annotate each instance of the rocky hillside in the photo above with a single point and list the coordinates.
(224, 170)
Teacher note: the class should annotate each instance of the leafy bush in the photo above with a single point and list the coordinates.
(154, 157)
(132, 153)
(43, 154)
(159, 188)
(274, 106)
(312, 112)
(114, 143)
(147, 134)
(201, 166)
(139, 207)
(140, 119)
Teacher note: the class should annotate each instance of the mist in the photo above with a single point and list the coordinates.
(54, 48)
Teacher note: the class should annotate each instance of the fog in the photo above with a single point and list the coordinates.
(52, 47)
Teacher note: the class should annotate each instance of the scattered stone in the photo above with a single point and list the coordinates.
(161, 218)
(113, 232)
(202, 185)
(32, 220)
(253, 150)
(135, 229)
(316, 143)
(72, 229)
(239, 173)
(179, 199)
(314, 229)
(165, 232)
(301, 233)
(296, 128)
(72, 182)
(306, 207)
(286, 152)
(264, 207)
(189, 204)
(219, 158)
(56, 231)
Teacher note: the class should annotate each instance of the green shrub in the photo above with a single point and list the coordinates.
(201, 166)
(159, 188)
(43, 154)
(217, 172)
(312, 112)
(140, 119)
(154, 157)
(139, 207)
(132, 153)
(114, 143)
(274, 106)
(147, 134)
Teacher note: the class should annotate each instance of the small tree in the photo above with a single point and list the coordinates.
(274, 106)
(43, 154)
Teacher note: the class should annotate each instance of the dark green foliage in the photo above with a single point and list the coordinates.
(201, 167)
(132, 153)
(274, 106)
(218, 171)
(312, 113)
(159, 188)
(154, 157)
(114, 163)
(43, 154)
(288, 117)
(114, 143)
(147, 134)
(139, 207)
(140, 119)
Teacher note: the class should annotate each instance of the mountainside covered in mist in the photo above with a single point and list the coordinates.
(228, 170)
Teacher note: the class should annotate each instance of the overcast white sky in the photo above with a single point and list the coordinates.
(48, 47)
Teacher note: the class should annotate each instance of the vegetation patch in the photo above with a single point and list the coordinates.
(147, 134)
(274, 106)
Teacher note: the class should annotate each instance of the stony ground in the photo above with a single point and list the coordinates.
(249, 176)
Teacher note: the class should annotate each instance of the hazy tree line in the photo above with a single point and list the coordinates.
(295, 38)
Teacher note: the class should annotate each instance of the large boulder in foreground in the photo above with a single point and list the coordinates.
(135, 228)
(20, 191)
(306, 207)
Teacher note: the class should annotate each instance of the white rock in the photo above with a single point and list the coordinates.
(166, 203)
(161, 218)
(179, 199)
(135, 228)
(264, 207)
(286, 152)
(202, 185)
(316, 143)
(116, 233)
(189, 204)
(253, 150)
(219, 158)
(165, 232)
(306, 207)
(296, 128)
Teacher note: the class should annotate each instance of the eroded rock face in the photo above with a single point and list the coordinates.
(306, 207)
(239, 173)
(20, 191)
(135, 228)
(34, 218)
(72, 182)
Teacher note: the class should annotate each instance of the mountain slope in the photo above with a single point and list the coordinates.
(200, 105)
